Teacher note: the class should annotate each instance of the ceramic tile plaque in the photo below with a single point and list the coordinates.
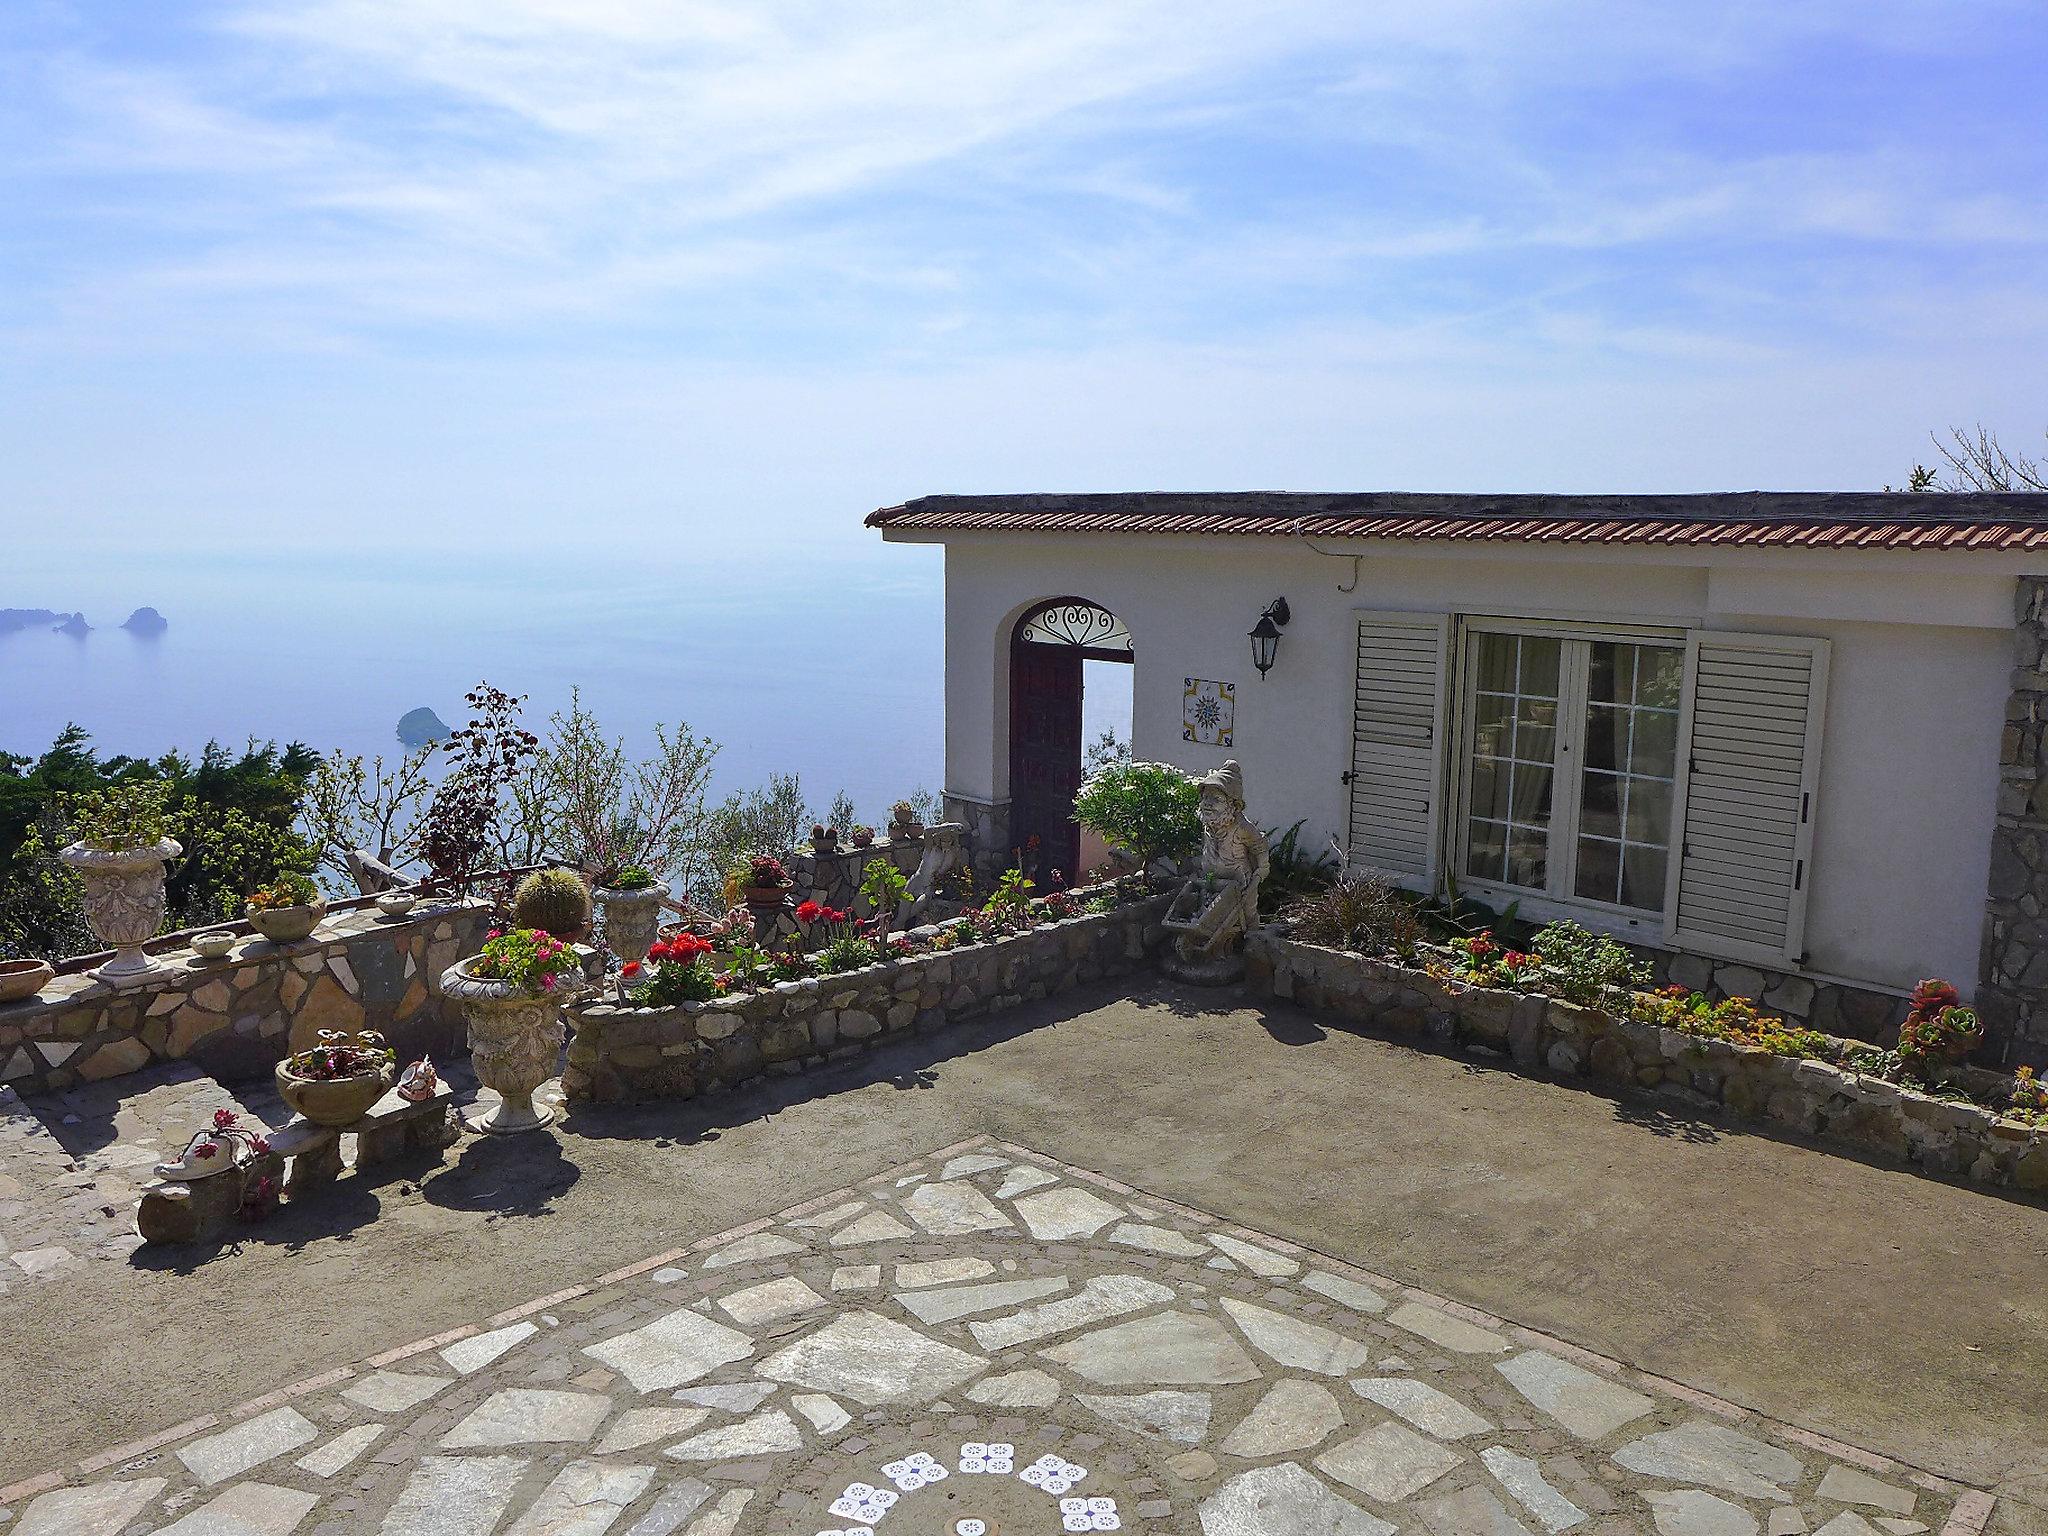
(1208, 712)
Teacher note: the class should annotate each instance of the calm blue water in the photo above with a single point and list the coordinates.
(827, 668)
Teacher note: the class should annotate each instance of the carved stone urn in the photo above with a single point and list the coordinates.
(514, 1039)
(631, 919)
(124, 901)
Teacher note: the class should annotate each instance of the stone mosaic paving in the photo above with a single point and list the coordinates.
(987, 1343)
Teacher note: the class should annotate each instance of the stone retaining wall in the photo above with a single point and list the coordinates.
(1540, 1034)
(237, 1017)
(619, 1052)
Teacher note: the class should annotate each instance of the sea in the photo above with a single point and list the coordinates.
(829, 668)
(825, 664)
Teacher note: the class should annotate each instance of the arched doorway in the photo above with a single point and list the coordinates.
(1048, 651)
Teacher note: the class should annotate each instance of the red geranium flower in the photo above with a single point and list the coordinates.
(808, 911)
(630, 968)
(658, 950)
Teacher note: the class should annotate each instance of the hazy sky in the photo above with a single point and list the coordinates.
(602, 271)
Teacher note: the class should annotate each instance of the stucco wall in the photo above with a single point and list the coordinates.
(1916, 697)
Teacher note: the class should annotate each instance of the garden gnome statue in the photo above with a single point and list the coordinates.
(1220, 901)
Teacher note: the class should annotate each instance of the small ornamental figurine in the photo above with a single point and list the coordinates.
(418, 1082)
(226, 1144)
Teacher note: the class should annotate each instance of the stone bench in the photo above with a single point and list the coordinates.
(303, 1158)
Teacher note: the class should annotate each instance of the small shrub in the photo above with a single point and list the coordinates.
(338, 1055)
(131, 814)
(1145, 809)
(1734, 1019)
(1356, 912)
(1292, 873)
(1585, 967)
(531, 960)
(2029, 1098)
(682, 974)
(554, 901)
(634, 877)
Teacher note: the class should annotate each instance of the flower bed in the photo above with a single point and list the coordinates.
(1940, 1131)
(749, 1026)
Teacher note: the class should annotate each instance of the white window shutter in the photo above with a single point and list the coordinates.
(1748, 775)
(1397, 735)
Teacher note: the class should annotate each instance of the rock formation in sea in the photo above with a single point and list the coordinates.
(146, 621)
(417, 727)
(75, 625)
(12, 619)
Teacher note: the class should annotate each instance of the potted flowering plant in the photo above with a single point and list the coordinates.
(766, 881)
(511, 994)
(337, 1080)
(824, 839)
(903, 820)
(119, 855)
(631, 903)
(286, 910)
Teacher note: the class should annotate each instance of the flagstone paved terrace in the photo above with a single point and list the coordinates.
(1142, 1336)
(987, 1340)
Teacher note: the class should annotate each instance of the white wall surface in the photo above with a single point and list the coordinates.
(1915, 707)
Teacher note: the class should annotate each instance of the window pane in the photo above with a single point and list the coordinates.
(1649, 812)
(1599, 872)
(1653, 749)
(1528, 857)
(1600, 805)
(1529, 801)
(1660, 670)
(1492, 730)
(1642, 877)
(1539, 665)
(1495, 671)
(1606, 736)
(1611, 673)
(1486, 856)
(1489, 789)
(1536, 730)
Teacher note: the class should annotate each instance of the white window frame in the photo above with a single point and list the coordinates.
(1642, 925)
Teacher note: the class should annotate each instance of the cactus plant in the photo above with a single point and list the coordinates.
(554, 901)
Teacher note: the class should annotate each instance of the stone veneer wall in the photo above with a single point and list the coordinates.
(988, 835)
(1542, 1034)
(237, 1017)
(2012, 968)
(1833, 1007)
(619, 1052)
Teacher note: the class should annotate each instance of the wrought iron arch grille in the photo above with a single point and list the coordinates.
(1084, 625)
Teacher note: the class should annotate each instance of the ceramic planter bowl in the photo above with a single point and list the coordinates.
(396, 903)
(286, 925)
(124, 901)
(23, 978)
(213, 946)
(334, 1101)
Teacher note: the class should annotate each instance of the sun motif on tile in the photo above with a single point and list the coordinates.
(1208, 712)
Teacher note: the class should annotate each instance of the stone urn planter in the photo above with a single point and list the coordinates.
(215, 944)
(21, 979)
(514, 1038)
(631, 919)
(286, 925)
(396, 904)
(335, 1101)
(124, 901)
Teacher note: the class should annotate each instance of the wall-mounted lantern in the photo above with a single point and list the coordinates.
(1265, 635)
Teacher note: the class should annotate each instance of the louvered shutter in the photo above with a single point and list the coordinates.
(1396, 743)
(1747, 782)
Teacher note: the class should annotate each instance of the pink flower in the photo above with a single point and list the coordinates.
(223, 1118)
(204, 1150)
(547, 983)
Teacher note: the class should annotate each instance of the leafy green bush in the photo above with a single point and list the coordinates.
(1292, 873)
(133, 813)
(1585, 967)
(1144, 809)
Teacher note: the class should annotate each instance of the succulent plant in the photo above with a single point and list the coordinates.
(554, 901)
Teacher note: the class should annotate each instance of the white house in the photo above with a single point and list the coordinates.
(1768, 736)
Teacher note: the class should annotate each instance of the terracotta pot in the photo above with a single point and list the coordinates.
(23, 978)
(766, 898)
(514, 1038)
(286, 925)
(124, 901)
(631, 919)
(331, 1101)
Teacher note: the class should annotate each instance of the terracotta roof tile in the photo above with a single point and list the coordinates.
(1795, 519)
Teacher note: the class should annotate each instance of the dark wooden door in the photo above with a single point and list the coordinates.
(1045, 755)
